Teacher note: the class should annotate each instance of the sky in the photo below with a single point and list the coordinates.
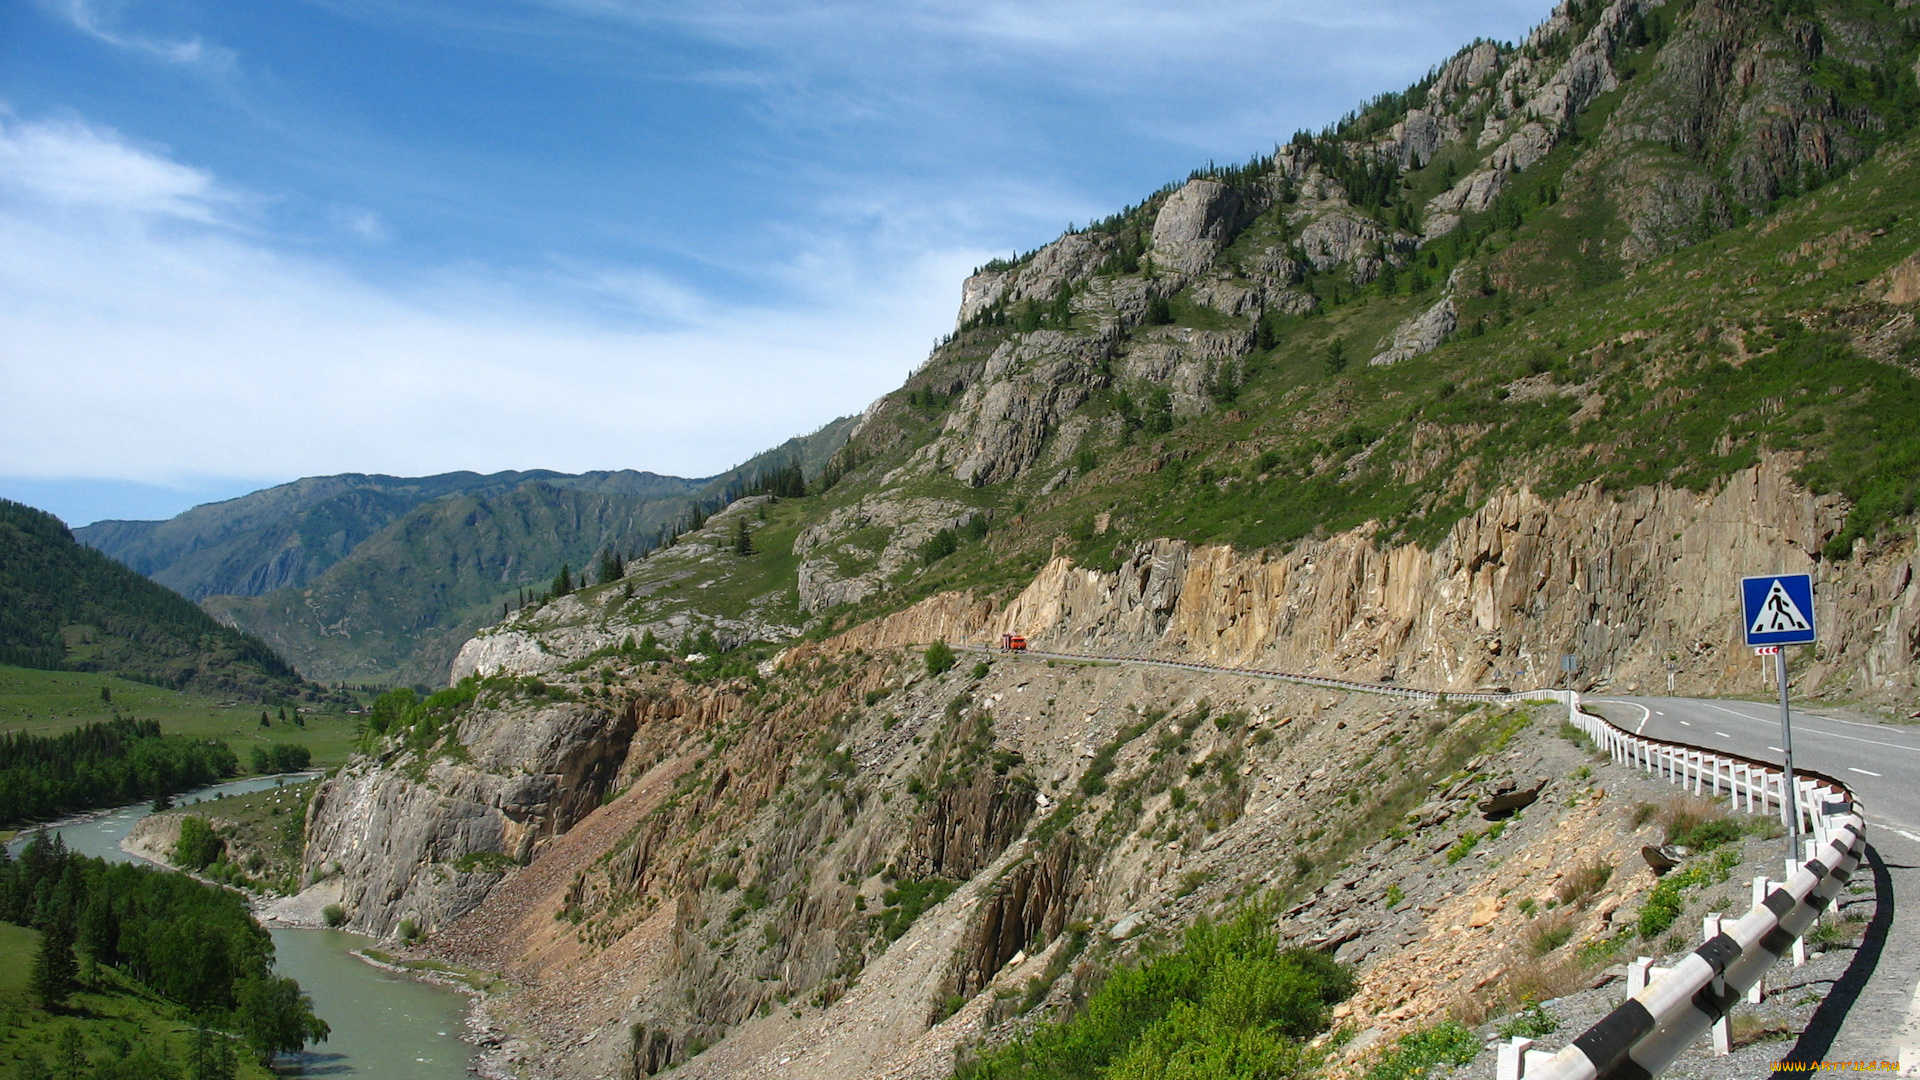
(244, 243)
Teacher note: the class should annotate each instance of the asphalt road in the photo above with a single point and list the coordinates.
(1879, 1017)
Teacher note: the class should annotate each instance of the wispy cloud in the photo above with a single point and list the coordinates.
(102, 22)
(69, 162)
(145, 341)
(361, 223)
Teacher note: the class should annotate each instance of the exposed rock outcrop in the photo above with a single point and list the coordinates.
(1625, 581)
(1196, 223)
(1420, 335)
(396, 836)
(1030, 385)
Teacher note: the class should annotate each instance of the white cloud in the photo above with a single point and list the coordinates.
(134, 348)
(87, 17)
(68, 162)
(364, 224)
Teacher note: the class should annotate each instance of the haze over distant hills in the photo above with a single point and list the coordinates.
(373, 579)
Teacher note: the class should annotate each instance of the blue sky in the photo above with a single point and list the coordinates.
(241, 243)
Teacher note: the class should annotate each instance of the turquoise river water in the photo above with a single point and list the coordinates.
(386, 1026)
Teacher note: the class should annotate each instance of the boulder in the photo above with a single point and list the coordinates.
(1196, 223)
(1421, 334)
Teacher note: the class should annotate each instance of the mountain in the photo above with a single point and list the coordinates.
(1533, 359)
(286, 536)
(1643, 279)
(378, 579)
(63, 605)
(399, 606)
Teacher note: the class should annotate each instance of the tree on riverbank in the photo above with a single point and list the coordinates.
(50, 978)
(275, 1016)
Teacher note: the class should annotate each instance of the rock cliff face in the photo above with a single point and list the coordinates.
(1628, 582)
(423, 836)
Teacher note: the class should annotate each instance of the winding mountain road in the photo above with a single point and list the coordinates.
(1872, 1014)
(1877, 1016)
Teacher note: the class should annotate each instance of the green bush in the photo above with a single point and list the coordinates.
(281, 758)
(198, 845)
(333, 915)
(1532, 1022)
(908, 900)
(939, 658)
(1417, 1053)
(1228, 1003)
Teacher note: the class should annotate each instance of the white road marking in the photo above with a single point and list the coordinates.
(1862, 772)
(1723, 734)
(1908, 835)
(1816, 731)
(1686, 723)
(1646, 714)
(1776, 750)
(1657, 712)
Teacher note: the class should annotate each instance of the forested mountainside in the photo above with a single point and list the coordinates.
(378, 579)
(64, 605)
(288, 535)
(1535, 357)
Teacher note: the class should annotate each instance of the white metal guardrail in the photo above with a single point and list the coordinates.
(1642, 1037)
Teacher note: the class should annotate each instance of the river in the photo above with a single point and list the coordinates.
(386, 1026)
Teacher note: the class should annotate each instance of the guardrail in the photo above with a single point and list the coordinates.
(1644, 1036)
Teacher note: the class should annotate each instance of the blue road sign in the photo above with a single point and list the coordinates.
(1778, 609)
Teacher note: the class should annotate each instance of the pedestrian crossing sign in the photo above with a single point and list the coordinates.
(1778, 609)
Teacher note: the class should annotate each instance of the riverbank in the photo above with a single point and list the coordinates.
(385, 1024)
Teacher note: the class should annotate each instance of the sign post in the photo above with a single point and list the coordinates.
(1778, 610)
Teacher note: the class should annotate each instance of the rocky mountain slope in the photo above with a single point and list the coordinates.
(1532, 359)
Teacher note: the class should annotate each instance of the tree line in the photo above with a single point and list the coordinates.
(192, 943)
(49, 581)
(110, 763)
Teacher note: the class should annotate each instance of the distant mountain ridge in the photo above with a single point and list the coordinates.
(368, 578)
(286, 536)
(66, 606)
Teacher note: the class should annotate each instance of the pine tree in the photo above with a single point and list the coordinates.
(610, 568)
(50, 977)
(563, 581)
(70, 1054)
(742, 539)
(210, 1056)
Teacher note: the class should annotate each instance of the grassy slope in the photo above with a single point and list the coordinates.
(1687, 369)
(48, 702)
(111, 1013)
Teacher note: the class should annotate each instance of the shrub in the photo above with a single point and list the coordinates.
(198, 845)
(908, 899)
(939, 658)
(1462, 847)
(1662, 907)
(333, 915)
(409, 931)
(980, 670)
(1228, 1002)
(1532, 1022)
(1548, 934)
(1583, 882)
(1419, 1052)
(1698, 824)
